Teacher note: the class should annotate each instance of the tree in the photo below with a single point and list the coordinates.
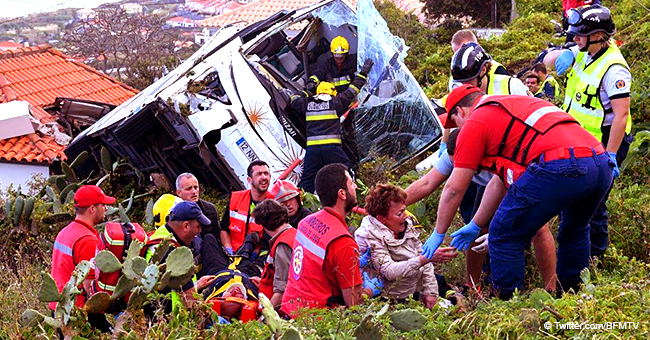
(485, 13)
(135, 48)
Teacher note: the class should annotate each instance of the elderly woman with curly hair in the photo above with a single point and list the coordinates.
(395, 247)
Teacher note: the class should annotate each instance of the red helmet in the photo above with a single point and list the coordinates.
(285, 190)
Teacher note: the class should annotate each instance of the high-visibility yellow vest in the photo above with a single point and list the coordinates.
(553, 82)
(582, 97)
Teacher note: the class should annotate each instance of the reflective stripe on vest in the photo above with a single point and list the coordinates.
(538, 115)
(63, 261)
(582, 97)
(307, 284)
(287, 236)
(341, 81)
(322, 140)
(321, 115)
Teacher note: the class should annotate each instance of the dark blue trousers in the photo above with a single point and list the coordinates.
(318, 156)
(572, 188)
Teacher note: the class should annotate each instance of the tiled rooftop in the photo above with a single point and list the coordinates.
(262, 9)
(38, 75)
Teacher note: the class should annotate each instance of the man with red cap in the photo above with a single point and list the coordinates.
(287, 194)
(545, 165)
(78, 240)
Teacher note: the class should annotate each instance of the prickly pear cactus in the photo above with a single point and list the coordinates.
(160, 251)
(291, 334)
(49, 292)
(31, 318)
(179, 261)
(150, 278)
(407, 320)
(98, 303)
(178, 282)
(123, 287)
(134, 268)
(107, 262)
(271, 317)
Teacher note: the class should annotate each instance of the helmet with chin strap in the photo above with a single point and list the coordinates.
(467, 62)
(587, 20)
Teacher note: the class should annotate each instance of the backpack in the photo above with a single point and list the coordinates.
(116, 238)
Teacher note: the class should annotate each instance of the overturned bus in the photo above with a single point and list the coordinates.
(227, 105)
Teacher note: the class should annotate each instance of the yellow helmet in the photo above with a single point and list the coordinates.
(327, 88)
(339, 46)
(162, 207)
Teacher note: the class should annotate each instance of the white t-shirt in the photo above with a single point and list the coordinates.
(445, 167)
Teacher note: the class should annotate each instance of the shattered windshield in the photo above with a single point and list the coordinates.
(394, 118)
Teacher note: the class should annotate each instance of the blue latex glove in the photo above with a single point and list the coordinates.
(443, 147)
(431, 245)
(364, 259)
(612, 157)
(564, 61)
(374, 284)
(229, 251)
(462, 238)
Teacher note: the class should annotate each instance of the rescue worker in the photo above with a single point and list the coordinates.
(545, 164)
(597, 94)
(465, 36)
(78, 242)
(287, 194)
(471, 65)
(323, 112)
(324, 269)
(338, 70)
(425, 186)
(187, 188)
(567, 6)
(275, 220)
(532, 82)
(549, 87)
(237, 222)
(162, 207)
(183, 225)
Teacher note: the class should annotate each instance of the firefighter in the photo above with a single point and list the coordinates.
(545, 165)
(323, 112)
(597, 94)
(338, 70)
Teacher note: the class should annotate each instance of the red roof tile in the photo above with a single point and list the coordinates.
(38, 75)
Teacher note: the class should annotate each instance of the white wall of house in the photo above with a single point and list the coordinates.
(20, 174)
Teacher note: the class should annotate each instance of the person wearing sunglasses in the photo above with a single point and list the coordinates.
(597, 93)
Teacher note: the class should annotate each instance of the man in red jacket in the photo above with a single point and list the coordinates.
(78, 242)
(546, 164)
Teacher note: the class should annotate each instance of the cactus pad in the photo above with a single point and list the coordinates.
(160, 251)
(31, 318)
(178, 282)
(138, 298)
(134, 268)
(179, 261)
(134, 249)
(81, 271)
(291, 334)
(367, 330)
(98, 303)
(49, 292)
(124, 285)
(107, 262)
(407, 320)
(150, 277)
(271, 317)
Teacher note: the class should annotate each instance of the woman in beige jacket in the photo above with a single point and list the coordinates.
(395, 247)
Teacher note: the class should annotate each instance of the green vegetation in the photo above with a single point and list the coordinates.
(615, 290)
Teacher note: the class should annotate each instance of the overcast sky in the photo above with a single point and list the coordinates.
(14, 8)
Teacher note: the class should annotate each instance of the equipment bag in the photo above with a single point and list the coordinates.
(116, 238)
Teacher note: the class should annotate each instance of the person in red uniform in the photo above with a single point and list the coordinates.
(237, 222)
(275, 219)
(78, 242)
(546, 165)
(324, 270)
